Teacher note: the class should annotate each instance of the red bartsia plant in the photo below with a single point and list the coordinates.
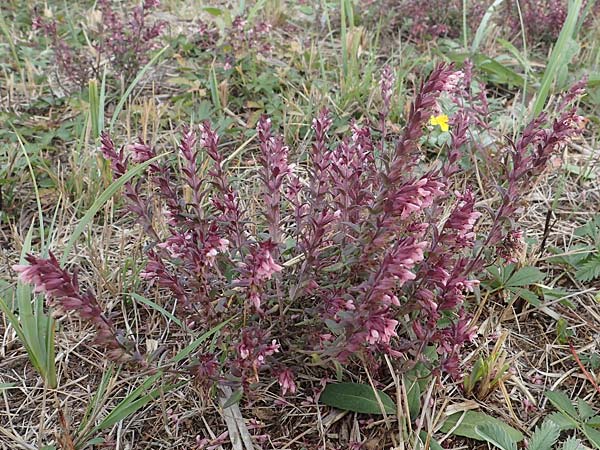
(121, 39)
(542, 19)
(236, 40)
(388, 244)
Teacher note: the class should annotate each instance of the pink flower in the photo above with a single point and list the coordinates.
(141, 152)
(267, 266)
(380, 330)
(286, 381)
(453, 81)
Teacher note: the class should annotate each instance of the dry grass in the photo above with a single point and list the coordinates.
(32, 415)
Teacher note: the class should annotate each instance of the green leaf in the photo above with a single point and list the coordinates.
(133, 84)
(559, 57)
(526, 294)
(563, 333)
(589, 270)
(33, 326)
(586, 412)
(572, 444)
(592, 434)
(196, 343)
(234, 398)
(213, 11)
(158, 308)
(101, 200)
(483, 27)
(7, 386)
(498, 72)
(414, 397)
(594, 421)
(525, 276)
(471, 419)
(357, 398)
(545, 436)
(562, 402)
(563, 421)
(476, 374)
(433, 444)
(496, 435)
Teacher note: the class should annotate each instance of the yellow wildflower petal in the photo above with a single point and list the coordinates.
(441, 121)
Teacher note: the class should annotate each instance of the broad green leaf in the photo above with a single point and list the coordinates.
(498, 72)
(413, 395)
(594, 421)
(433, 444)
(563, 333)
(592, 434)
(562, 403)
(496, 435)
(526, 294)
(357, 398)
(589, 270)
(525, 276)
(544, 436)
(470, 419)
(572, 444)
(7, 386)
(476, 374)
(563, 421)
(586, 412)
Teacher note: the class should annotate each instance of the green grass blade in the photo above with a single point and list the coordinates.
(101, 200)
(50, 352)
(559, 56)
(136, 400)
(194, 345)
(117, 413)
(34, 328)
(158, 308)
(27, 319)
(94, 405)
(343, 38)
(255, 10)
(35, 185)
(9, 39)
(94, 100)
(133, 84)
(483, 27)
(214, 89)
(102, 101)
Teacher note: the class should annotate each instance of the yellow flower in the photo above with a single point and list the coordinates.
(441, 120)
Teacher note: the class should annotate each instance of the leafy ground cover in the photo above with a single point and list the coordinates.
(299, 225)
